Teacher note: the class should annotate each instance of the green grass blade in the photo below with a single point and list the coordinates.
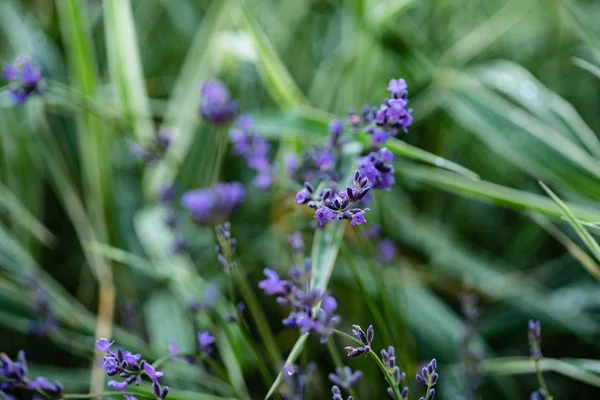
(275, 76)
(24, 217)
(325, 248)
(587, 238)
(125, 66)
(383, 12)
(522, 365)
(181, 115)
(588, 66)
(493, 193)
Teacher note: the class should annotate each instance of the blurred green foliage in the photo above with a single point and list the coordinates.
(507, 89)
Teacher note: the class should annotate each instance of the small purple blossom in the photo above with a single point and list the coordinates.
(323, 215)
(291, 164)
(217, 107)
(206, 341)
(14, 380)
(534, 337)
(345, 378)
(25, 80)
(273, 285)
(337, 394)
(375, 168)
(387, 251)
(130, 367)
(296, 243)
(429, 377)
(358, 218)
(215, 203)
(254, 149)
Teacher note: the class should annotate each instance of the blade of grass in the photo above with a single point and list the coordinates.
(522, 365)
(588, 263)
(588, 66)
(273, 72)
(125, 66)
(24, 217)
(493, 193)
(202, 61)
(585, 236)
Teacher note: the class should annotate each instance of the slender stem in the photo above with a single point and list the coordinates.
(541, 380)
(105, 394)
(379, 363)
(365, 295)
(259, 317)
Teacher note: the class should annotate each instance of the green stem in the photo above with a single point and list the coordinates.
(105, 394)
(541, 380)
(259, 317)
(379, 363)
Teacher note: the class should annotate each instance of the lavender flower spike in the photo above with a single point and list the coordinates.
(215, 203)
(337, 395)
(25, 80)
(206, 341)
(217, 107)
(14, 380)
(345, 378)
(534, 337)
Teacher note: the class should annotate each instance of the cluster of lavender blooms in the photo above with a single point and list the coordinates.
(364, 337)
(205, 342)
(15, 382)
(166, 197)
(154, 151)
(255, 151)
(225, 247)
(534, 339)
(213, 204)
(46, 321)
(471, 356)
(312, 311)
(345, 378)
(388, 357)
(429, 377)
(384, 121)
(131, 368)
(217, 106)
(331, 205)
(25, 80)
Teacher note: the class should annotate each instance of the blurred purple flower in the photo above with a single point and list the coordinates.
(387, 251)
(25, 80)
(217, 107)
(375, 168)
(206, 341)
(215, 203)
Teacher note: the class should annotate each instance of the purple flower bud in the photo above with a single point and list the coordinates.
(103, 345)
(206, 341)
(273, 285)
(216, 106)
(370, 333)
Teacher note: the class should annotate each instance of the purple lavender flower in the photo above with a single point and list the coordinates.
(324, 159)
(14, 380)
(388, 357)
(539, 394)
(337, 394)
(534, 337)
(152, 151)
(364, 337)
(130, 367)
(46, 321)
(296, 243)
(387, 251)
(273, 285)
(375, 168)
(254, 149)
(215, 203)
(384, 121)
(291, 164)
(345, 378)
(296, 381)
(206, 341)
(217, 107)
(429, 377)
(25, 80)
(303, 302)
(323, 215)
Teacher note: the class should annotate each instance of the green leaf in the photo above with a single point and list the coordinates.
(587, 238)
(276, 78)
(125, 66)
(492, 193)
(522, 365)
(181, 118)
(325, 248)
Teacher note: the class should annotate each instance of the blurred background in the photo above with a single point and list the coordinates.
(507, 89)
